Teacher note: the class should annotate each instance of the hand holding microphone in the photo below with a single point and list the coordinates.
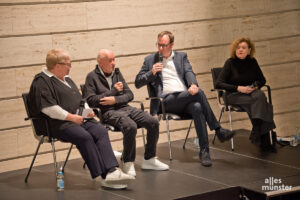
(119, 84)
(157, 67)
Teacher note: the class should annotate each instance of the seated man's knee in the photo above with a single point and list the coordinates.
(197, 107)
(129, 128)
(152, 123)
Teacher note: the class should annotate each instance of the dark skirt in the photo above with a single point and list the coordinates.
(257, 107)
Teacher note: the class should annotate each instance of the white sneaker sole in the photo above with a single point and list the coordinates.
(154, 168)
(114, 186)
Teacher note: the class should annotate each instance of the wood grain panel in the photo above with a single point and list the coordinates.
(31, 49)
(40, 18)
(24, 50)
(44, 18)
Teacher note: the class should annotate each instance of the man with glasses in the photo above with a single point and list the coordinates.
(106, 88)
(169, 75)
(54, 94)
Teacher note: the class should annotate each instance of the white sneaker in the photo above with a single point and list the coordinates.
(154, 164)
(118, 177)
(128, 168)
(118, 154)
(113, 185)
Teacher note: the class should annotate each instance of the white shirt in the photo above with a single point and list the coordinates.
(171, 81)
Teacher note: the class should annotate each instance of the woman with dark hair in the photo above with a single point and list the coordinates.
(242, 78)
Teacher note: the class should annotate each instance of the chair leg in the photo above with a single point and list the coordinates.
(230, 122)
(144, 141)
(67, 158)
(222, 110)
(34, 157)
(187, 134)
(169, 138)
(54, 156)
(271, 138)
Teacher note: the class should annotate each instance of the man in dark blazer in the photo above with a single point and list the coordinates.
(106, 88)
(168, 74)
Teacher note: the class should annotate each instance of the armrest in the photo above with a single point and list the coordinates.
(221, 93)
(218, 90)
(269, 92)
(139, 102)
(98, 112)
(32, 118)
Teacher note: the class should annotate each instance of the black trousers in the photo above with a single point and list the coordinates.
(128, 119)
(198, 107)
(258, 109)
(92, 141)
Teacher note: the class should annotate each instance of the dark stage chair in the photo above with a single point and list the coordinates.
(42, 136)
(163, 115)
(224, 106)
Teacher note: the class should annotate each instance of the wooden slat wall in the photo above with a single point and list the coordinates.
(203, 29)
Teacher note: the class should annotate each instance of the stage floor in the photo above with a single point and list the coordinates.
(246, 167)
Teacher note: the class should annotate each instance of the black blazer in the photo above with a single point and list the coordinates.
(154, 82)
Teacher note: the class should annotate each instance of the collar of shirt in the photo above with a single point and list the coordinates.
(110, 76)
(50, 74)
(170, 57)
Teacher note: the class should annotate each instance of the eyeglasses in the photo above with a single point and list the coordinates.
(162, 45)
(68, 64)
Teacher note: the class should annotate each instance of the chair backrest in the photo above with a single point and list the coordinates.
(215, 72)
(39, 126)
(82, 88)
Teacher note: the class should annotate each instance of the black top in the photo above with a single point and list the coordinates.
(240, 72)
(48, 91)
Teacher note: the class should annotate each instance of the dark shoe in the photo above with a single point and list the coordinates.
(205, 157)
(265, 143)
(254, 137)
(224, 134)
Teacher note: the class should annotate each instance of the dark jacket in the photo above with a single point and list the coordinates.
(97, 87)
(154, 82)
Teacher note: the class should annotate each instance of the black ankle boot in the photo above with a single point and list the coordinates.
(254, 136)
(265, 143)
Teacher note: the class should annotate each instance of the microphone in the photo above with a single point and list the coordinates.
(81, 107)
(117, 72)
(160, 58)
